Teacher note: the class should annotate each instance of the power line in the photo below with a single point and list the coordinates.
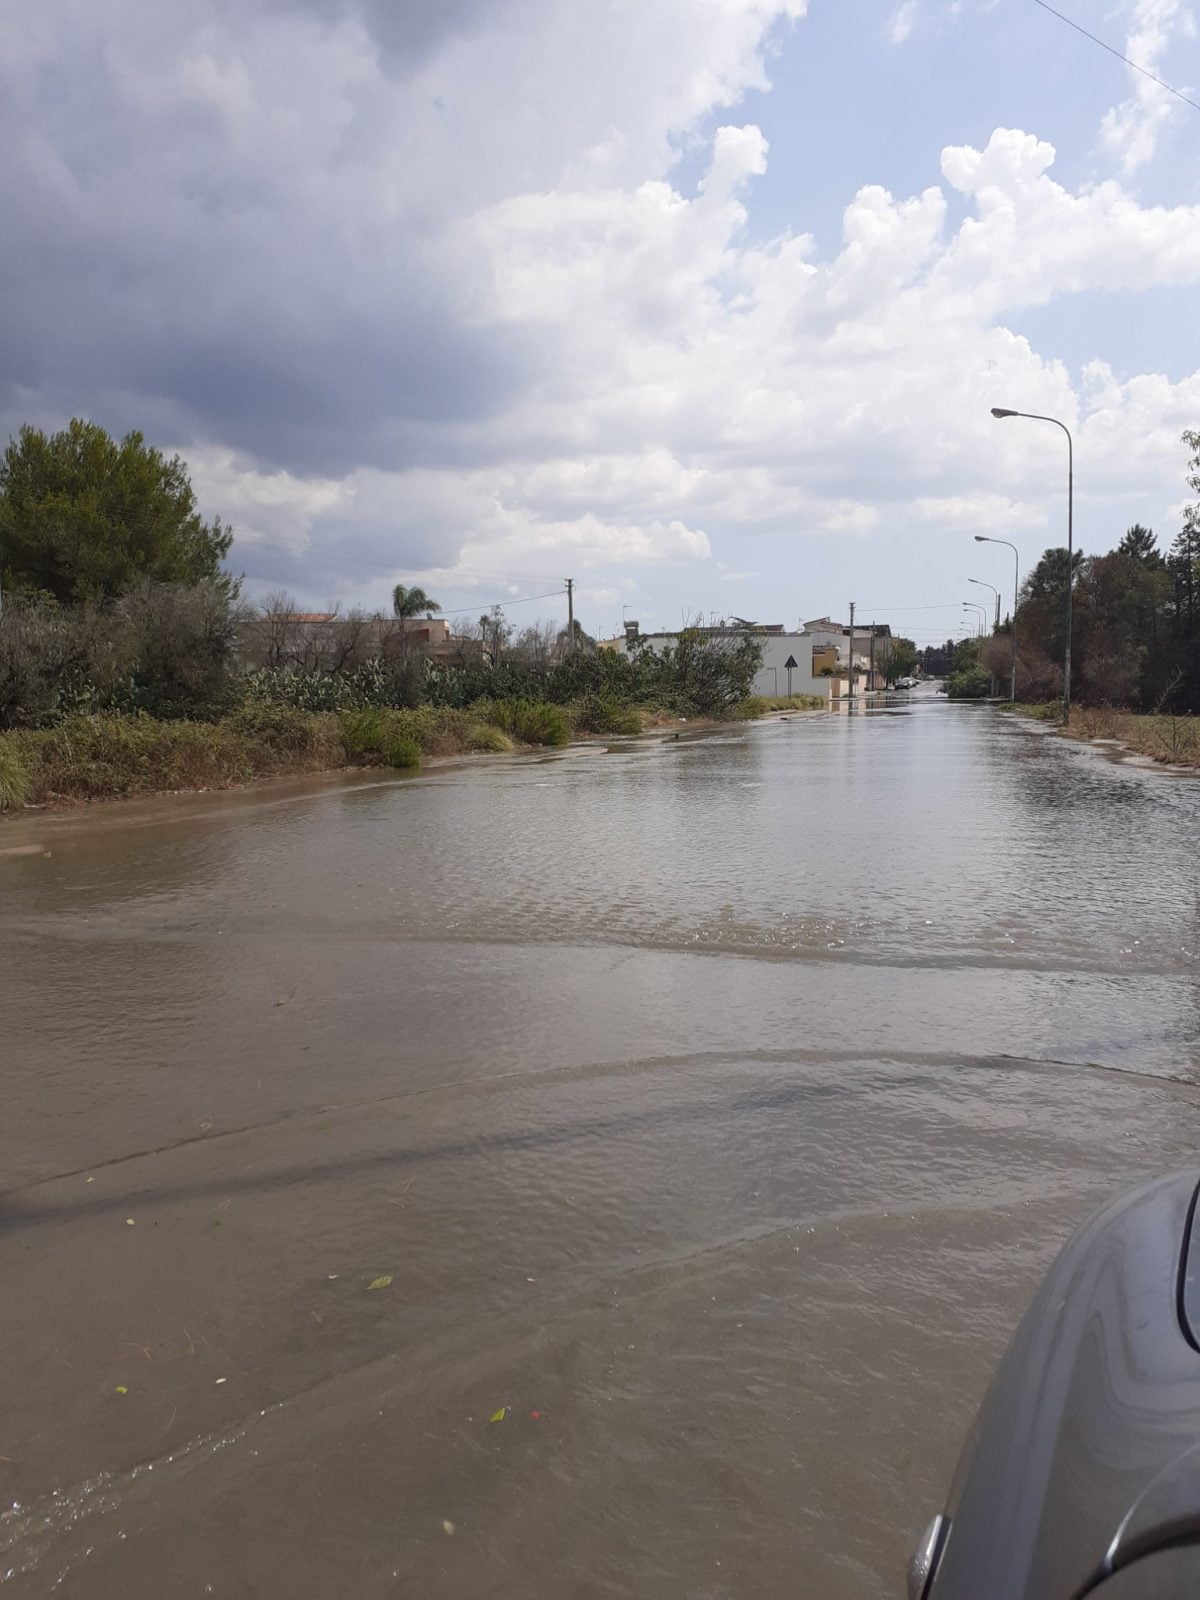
(555, 594)
(1113, 51)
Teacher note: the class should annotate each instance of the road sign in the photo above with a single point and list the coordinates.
(791, 663)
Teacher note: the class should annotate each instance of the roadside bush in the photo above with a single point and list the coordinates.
(178, 640)
(398, 750)
(528, 721)
(973, 683)
(108, 756)
(483, 738)
(759, 705)
(380, 737)
(14, 781)
(597, 713)
(280, 727)
(54, 660)
(363, 732)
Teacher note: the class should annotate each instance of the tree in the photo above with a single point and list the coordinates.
(1117, 606)
(1041, 612)
(408, 603)
(1141, 544)
(895, 658)
(83, 518)
(574, 637)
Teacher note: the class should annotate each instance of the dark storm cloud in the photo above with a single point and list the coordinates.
(198, 239)
(408, 31)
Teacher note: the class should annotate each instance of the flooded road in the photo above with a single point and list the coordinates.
(607, 1174)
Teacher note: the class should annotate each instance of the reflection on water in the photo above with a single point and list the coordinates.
(711, 1103)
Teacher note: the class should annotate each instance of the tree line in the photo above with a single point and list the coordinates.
(115, 596)
(1135, 633)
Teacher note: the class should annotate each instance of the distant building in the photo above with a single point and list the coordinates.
(821, 651)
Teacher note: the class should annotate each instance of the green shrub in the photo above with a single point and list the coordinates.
(280, 727)
(972, 683)
(14, 780)
(399, 750)
(759, 705)
(481, 736)
(363, 731)
(393, 738)
(528, 721)
(599, 713)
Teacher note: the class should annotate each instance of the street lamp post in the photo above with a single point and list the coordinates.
(974, 605)
(996, 627)
(995, 591)
(1036, 416)
(983, 538)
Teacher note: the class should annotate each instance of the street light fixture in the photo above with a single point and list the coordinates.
(983, 538)
(1036, 416)
(982, 610)
(995, 591)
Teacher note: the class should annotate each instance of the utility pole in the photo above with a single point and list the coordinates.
(570, 582)
(850, 663)
(871, 670)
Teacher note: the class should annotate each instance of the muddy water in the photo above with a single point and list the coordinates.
(710, 1105)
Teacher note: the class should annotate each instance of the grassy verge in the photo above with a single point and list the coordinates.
(759, 705)
(1164, 738)
(111, 757)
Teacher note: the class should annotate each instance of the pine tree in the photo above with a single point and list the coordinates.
(1141, 544)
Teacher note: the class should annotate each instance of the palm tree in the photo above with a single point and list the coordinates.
(407, 603)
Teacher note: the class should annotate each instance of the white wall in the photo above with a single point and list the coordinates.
(777, 647)
(772, 677)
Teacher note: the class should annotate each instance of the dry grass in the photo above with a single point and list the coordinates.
(1164, 738)
(1173, 739)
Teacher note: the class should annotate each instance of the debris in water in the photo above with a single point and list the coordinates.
(121, 1389)
(129, 1223)
(536, 1415)
(447, 1526)
(499, 1416)
(222, 1380)
(381, 1283)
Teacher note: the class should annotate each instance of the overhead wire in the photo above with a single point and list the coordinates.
(1120, 55)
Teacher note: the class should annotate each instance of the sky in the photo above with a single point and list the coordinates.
(701, 303)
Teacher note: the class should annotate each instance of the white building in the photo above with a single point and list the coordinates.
(818, 653)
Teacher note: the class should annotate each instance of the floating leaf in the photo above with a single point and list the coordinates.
(499, 1416)
(121, 1389)
(381, 1283)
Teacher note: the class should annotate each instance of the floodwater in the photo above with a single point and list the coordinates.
(607, 1174)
